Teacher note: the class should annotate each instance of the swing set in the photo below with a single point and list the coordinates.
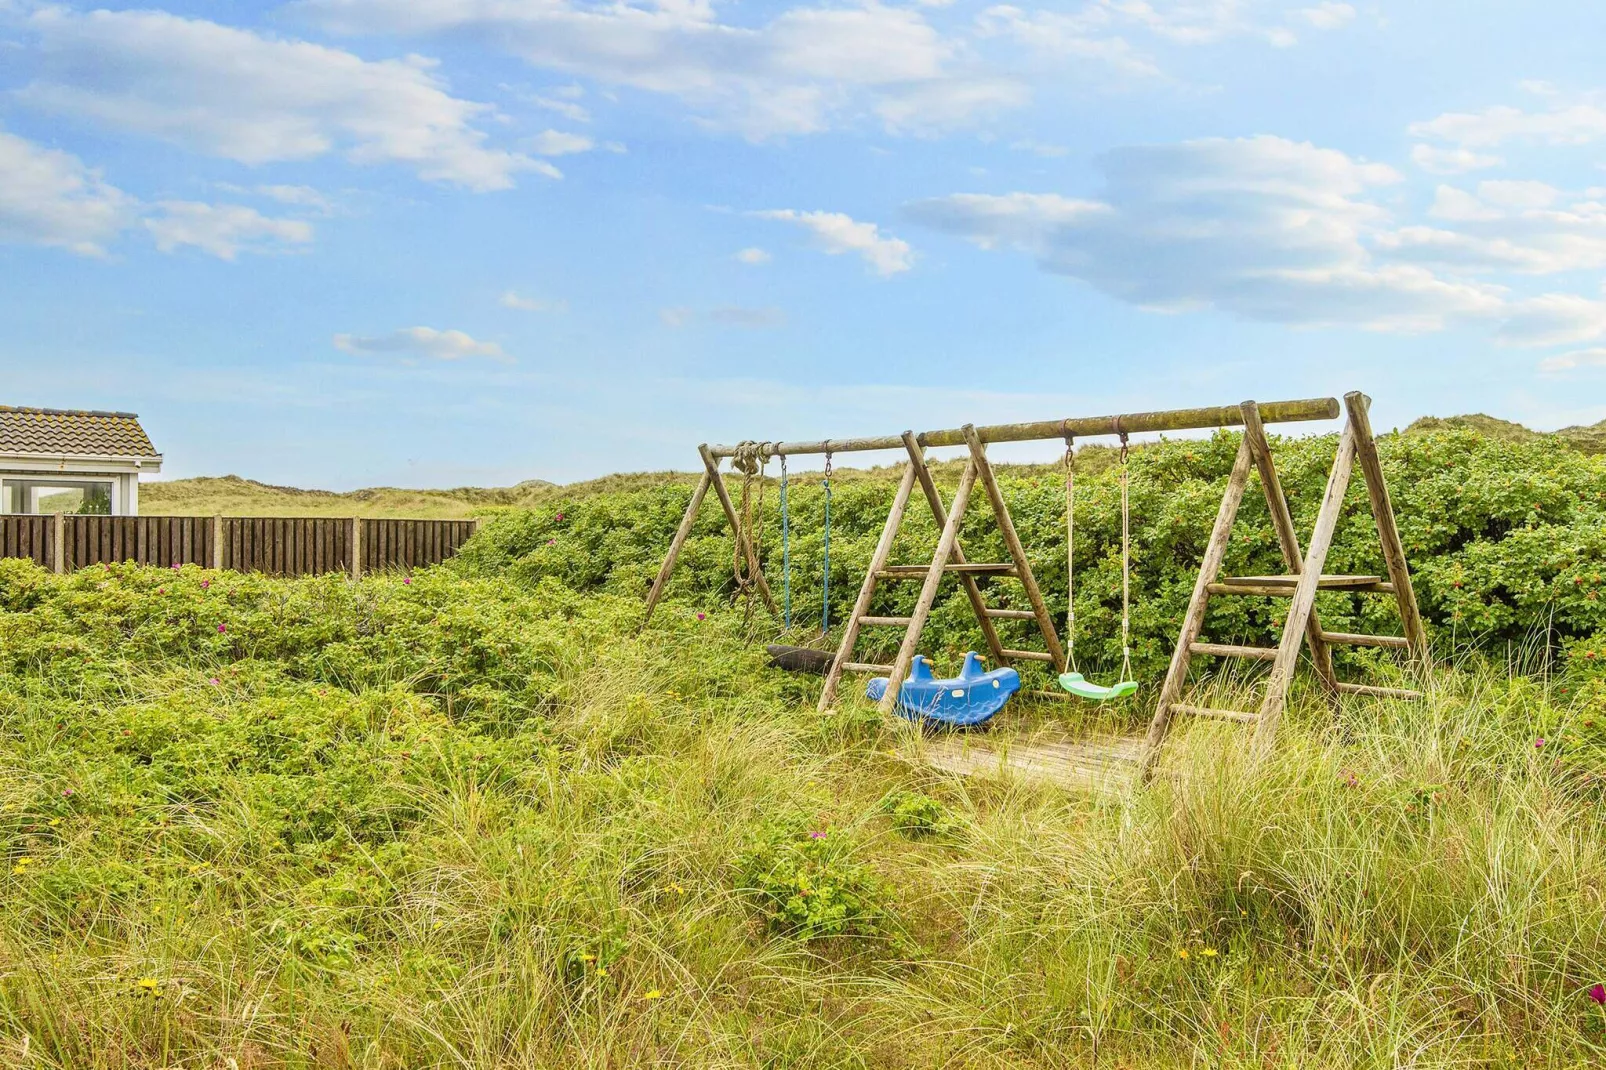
(1299, 584)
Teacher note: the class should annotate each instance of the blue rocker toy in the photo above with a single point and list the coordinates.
(970, 698)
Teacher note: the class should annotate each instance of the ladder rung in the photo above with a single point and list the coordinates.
(915, 572)
(1350, 639)
(1229, 650)
(890, 621)
(864, 666)
(1378, 692)
(1328, 581)
(1028, 655)
(1268, 590)
(1012, 614)
(1210, 711)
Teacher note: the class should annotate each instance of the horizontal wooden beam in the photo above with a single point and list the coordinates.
(1378, 692)
(1231, 650)
(1351, 639)
(1271, 412)
(1219, 714)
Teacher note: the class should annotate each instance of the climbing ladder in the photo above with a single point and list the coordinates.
(1300, 584)
(949, 557)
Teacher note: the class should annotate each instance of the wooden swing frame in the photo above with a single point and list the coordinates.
(1300, 584)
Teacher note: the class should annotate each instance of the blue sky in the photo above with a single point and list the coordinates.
(434, 242)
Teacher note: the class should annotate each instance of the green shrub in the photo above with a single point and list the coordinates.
(916, 814)
(808, 884)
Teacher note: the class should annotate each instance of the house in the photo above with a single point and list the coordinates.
(72, 461)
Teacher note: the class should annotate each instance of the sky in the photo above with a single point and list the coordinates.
(345, 243)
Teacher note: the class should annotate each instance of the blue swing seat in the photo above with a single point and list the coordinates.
(970, 698)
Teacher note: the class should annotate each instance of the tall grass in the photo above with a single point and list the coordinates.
(448, 823)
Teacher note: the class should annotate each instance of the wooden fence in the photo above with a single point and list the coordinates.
(278, 546)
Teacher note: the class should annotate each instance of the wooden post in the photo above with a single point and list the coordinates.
(1377, 491)
(978, 604)
(928, 590)
(217, 541)
(1045, 623)
(1287, 538)
(861, 604)
(58, 543)
(354, 547)
(1193, 620)
(667, 569)
(744, 544)
(1299, 608)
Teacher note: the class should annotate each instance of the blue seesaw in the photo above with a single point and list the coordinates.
(968, 699)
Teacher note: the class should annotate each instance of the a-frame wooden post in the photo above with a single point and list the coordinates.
(1304, 579)
(1388, 534)
(1193, 621)
(667, 569)
(1023, 566)
(917, 459)
(743, 539)
(1282, 521)
(861, 604)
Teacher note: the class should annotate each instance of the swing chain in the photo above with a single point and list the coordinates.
(825, 586)
(786, 552)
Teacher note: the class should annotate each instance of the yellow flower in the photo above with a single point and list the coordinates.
(22, 865)
(1182, 952)
(1209, 952)
(677, 889)
(654, 994)
(148, 985)
(55, 821)
(602, 971)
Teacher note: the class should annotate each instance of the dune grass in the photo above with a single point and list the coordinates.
(436, 821)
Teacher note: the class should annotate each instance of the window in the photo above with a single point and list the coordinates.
(57, 496)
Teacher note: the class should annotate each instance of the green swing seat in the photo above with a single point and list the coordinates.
(1081, 687)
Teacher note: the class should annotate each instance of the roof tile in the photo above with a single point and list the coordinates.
(73, 431)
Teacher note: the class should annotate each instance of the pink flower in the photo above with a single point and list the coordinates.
(552, 542)
(214, 681)
(560, 516)
(221, 628)
(702, 616)
(161, 590)
(407, 581)
(1540, 742)
(1597, 994)
(205, 584)
(816, 835)
(175, 566)
(67, 793)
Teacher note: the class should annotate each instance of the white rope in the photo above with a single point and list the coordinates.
(1070, 554)
(1126, 572)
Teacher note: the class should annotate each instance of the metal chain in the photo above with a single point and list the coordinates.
(825, 595)
(786, 552)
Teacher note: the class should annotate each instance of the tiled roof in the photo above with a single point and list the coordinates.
(73, 431)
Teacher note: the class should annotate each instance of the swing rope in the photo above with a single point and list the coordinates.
(1070, 553)
(750, 459)
(825, 595)
(1126, 570)
(786, 552)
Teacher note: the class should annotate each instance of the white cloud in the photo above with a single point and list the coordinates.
(236, 94)
(223, 230)
(675, 317)
(1328, 15)
(48, 197)
(298, 196)
(421, 342)
(1266, 228)
(511, 299)
(1441, 161)
(836, 233)
(1505, 226)
(560, 143)
(1565, 124)
(1554, 320)
(1574, 361)
(753, 255)
(802, 71)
